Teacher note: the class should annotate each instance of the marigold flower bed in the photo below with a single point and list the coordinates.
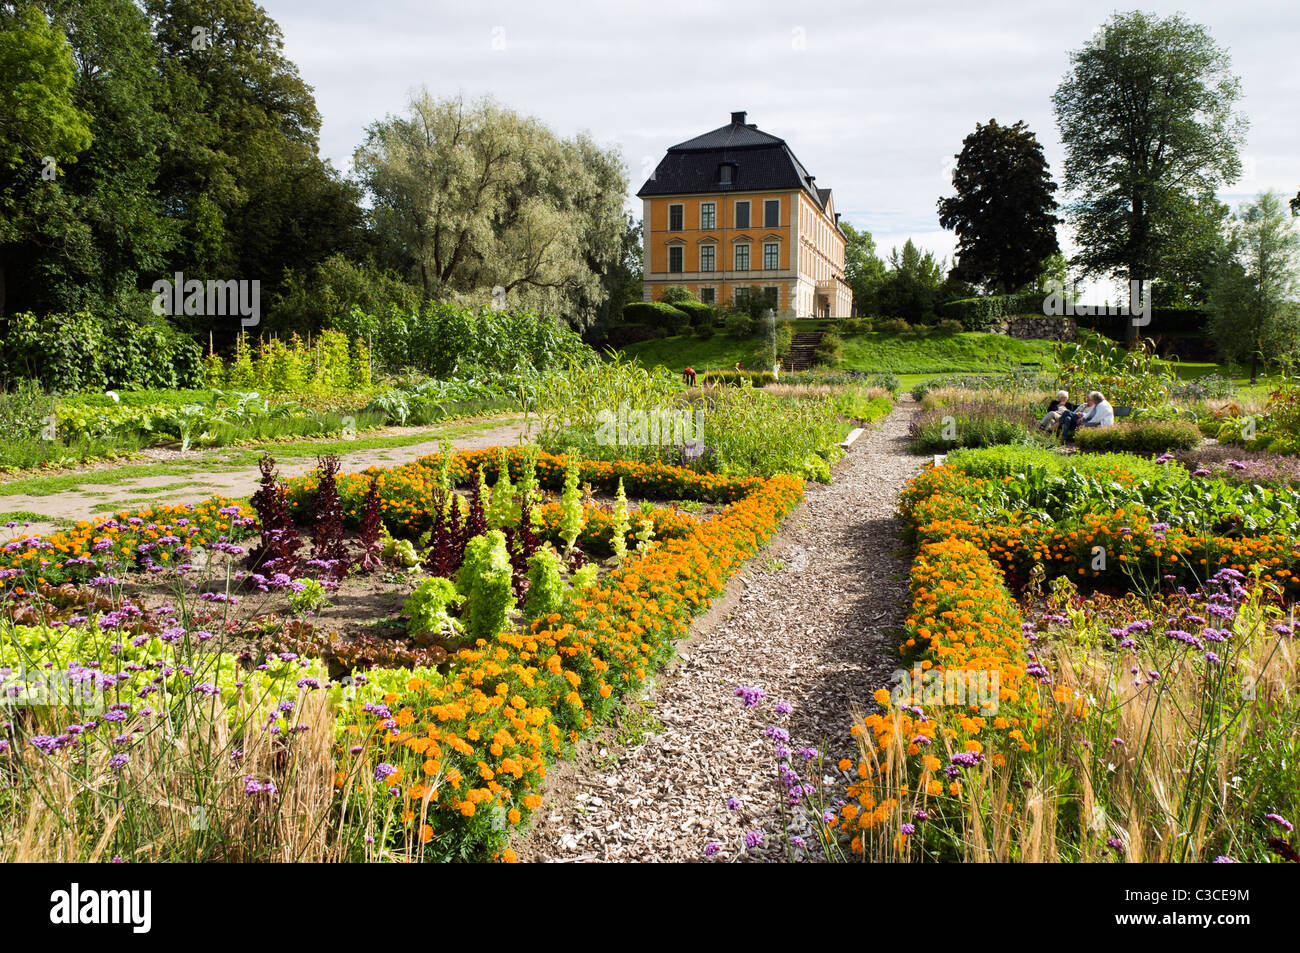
(962, 621)
(467, 752)
(1135, 547)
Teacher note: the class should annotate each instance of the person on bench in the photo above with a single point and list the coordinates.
(1054, 410)
(1097, 413)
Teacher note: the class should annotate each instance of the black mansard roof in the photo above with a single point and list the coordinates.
(758, 161)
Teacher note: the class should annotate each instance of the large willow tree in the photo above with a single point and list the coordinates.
(480, 203)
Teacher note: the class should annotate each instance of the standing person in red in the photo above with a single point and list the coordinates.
(688, 377)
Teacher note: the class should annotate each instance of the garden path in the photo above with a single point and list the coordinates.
(812, 620)
(195, 475)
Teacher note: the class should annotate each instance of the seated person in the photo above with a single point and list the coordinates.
(1055, 409)
(1072, 418)
(1103, 414)
(1096, 413)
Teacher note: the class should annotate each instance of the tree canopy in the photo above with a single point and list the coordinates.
(474, 200)
(1002, 212)
(1147, 117)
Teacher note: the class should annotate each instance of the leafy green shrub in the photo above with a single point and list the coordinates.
(1133, 378)
(784, 337)
(705, 331)
(948, 326)
(80, 351)
(829, 351)
(980, 313)
(656, 314)
(25, 410)
(309, 301)
(854, 325)
(892, 326)
(700, 314)
(428, 611)
(751, 431)
(761, 355)
(446, 340)
(739, 325)
(484, 578)
(1139, 437)
(1010, 460)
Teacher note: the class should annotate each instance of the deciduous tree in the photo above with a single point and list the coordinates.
(1146, 114)
(1002, 212)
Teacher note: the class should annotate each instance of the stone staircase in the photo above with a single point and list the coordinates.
(801, 351)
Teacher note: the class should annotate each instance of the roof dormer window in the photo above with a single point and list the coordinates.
(726, 173)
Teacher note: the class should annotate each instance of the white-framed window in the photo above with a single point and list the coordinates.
(742, 214)
(742, 258)
(708, 295)
(771, 213)
(724, 173)
(676, 218)
(708, 216)
(675, 258)
(773, 295)
(708, 258)
(771, 256)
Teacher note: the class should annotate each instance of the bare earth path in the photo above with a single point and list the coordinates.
(811, 621)
(196, 475)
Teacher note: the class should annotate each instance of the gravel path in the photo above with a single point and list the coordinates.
(811, 621)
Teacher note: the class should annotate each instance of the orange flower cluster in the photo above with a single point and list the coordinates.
(963, 631)
(469, 749)
(1135, 547)
(161, 535)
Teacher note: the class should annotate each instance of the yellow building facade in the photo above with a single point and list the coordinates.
(733, 212)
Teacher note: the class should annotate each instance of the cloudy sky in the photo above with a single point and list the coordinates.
(874, 98)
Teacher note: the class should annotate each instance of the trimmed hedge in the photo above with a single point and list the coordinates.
(621, 335)
(1154, 436)
(656, 314)
(1164, 321)
(699, 312)
(979, 314)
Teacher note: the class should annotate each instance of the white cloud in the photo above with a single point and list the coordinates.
(872, 97)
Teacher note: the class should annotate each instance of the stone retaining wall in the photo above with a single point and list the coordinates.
(1042, 328)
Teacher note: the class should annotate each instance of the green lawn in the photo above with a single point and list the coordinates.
(719, 352)
(967, 352)
(874, 351)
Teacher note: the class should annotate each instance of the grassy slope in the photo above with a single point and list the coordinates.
(874, 351)
(675, 353)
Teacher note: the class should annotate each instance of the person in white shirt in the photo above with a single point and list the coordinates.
(1103, 414)
(1097, 412)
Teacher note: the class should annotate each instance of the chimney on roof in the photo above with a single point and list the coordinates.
(837, 218)
(738, 118)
